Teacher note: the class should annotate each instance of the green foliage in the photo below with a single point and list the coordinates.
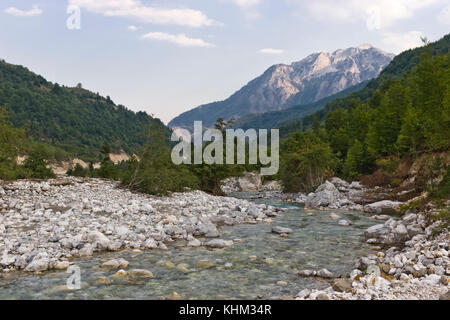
(155, 173)
(358, 161)
(12, 143)
(36, 165)
(305, 162)
(442, 191)
(72, 120)
(405, 111)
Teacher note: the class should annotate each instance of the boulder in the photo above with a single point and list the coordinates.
(250, 182)
(384, 206)
(100, 239)
(324, 273)
(38, 265)
(342, 285)
(141, 273)
(116, 264)
(281, 230)
(219, 243)
(344, 222)
(326, 195)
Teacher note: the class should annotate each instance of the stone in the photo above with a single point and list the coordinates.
(119, 275)
(344, 222)
(219, 243)
(175, 296)
(116, 264)
(280, 230)
(306, 273)
(384, 206)
(183, 267)
(150, 243)
(86, 251)
(38, 265)
(100, 239)
(322, 296)
(334, 215)
(342, 285)
(102, 281)
(303, 294)
(404, 277)
(141, 273)
(194, 243)
(62, 265)
(282, 283)
(445, 296)
(205, 264)
(324, 273)
(326, 195)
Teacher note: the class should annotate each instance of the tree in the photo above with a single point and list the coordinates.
(155, 173)
(306, 162)
(358, 161)
(36, 163)
(12, 142)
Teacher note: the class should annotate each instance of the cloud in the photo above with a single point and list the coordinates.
(178, 39)
(246, 3)
(132, 28)
(249, 7)
(377, 14)
(135, 9)
(444, 16)
(34, 11)
(398, 42)
(271, 51)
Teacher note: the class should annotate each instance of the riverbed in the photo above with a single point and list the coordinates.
(260, 265)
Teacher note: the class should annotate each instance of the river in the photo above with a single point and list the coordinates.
(261, 264)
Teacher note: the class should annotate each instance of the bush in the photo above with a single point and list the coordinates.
(36, 165)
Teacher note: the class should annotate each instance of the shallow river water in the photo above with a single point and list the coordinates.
(250, 269)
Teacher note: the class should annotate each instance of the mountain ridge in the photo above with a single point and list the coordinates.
(75, 120)
(281, 86)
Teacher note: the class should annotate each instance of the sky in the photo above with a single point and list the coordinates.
(168, 56)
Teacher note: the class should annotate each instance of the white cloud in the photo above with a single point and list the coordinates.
(398, 42)
(178, 39)
(34, 11)
(377, 14)
(135, 9)
(444, 15)
(249, 7)
(246, 3)
(132, 28)
(271, 51)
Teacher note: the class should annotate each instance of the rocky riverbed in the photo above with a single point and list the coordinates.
(411, 262)
(413, 259)
(45, 224)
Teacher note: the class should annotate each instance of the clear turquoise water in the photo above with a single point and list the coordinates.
(258, 262)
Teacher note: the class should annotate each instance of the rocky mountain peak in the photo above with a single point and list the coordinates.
(281, 86)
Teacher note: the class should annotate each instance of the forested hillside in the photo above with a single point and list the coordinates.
(405, 116)
(74, 120)
(399, 66)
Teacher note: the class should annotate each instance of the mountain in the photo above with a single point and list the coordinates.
(74, 120)
(397, 68)
(273, 119)
(282, 86)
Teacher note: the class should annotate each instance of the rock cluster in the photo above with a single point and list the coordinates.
(250, 181)
(339, 194)
(419, 270)
(44, 224)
